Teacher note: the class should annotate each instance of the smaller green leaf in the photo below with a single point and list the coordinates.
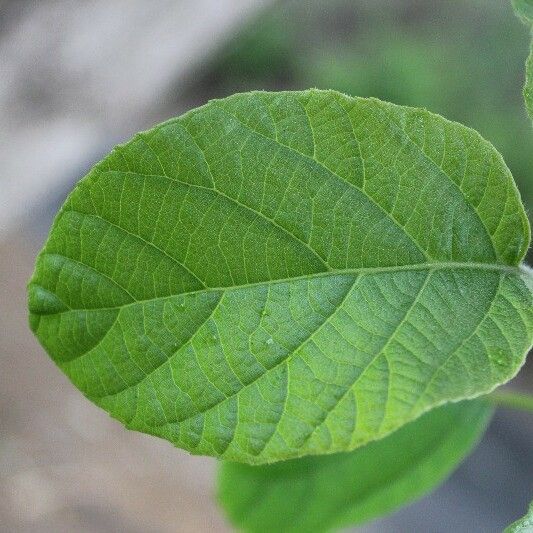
(324, 492)
(523, 525)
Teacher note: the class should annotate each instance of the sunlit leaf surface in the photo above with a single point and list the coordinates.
(274, 275)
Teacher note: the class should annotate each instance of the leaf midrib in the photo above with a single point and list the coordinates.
(451, 265)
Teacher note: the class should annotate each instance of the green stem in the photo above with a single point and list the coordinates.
(515, 400)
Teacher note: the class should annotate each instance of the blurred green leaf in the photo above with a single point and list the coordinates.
(334, 491)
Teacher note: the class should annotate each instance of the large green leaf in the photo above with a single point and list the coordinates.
(524, 524)
(280, 274)
(333, 491)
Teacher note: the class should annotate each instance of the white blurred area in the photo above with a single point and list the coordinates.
(75, 75)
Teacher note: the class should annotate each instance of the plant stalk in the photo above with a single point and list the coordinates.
(514, 400)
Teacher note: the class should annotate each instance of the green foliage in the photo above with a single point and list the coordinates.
(524, 525)
(275, 275)
(333, 491)
(291, 275)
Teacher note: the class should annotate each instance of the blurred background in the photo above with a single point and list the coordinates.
(77, 77)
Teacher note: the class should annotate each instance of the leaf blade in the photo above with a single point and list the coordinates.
(272, 237)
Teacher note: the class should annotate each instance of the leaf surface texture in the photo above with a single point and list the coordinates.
(274, 275)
